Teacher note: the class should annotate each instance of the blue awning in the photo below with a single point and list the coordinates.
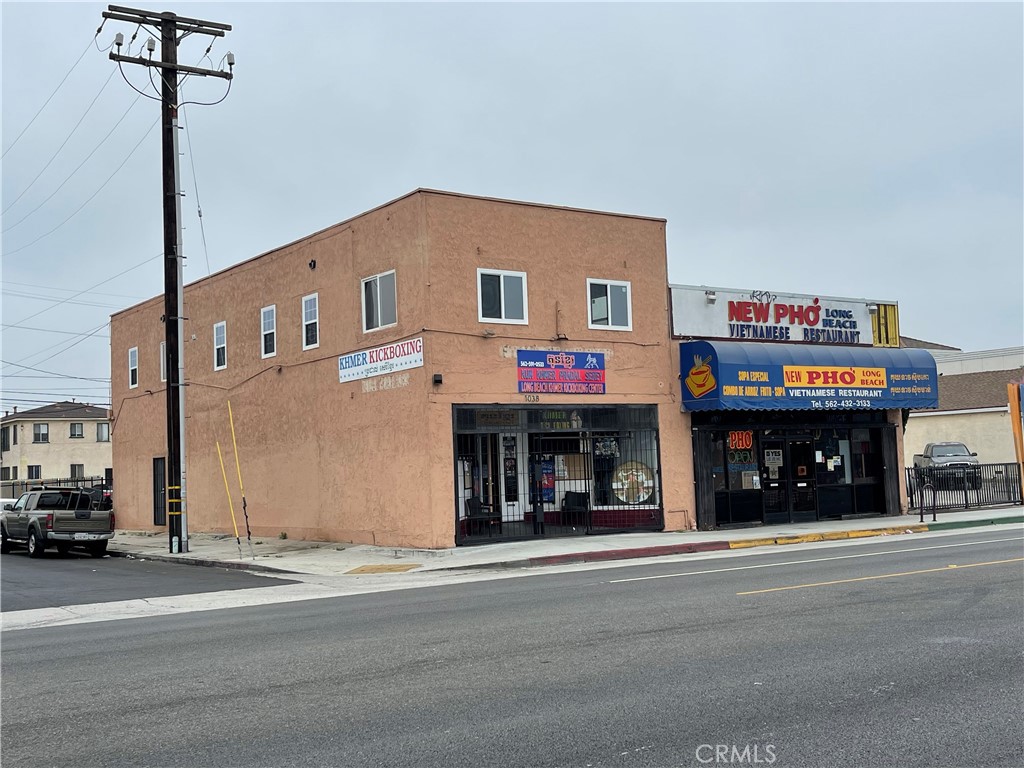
(733, 375)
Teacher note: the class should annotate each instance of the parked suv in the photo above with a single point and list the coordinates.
(60, 517)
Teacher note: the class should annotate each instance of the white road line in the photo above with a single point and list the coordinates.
(810, 560)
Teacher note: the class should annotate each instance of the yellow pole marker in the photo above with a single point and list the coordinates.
(231, 506)
(238, 467)
(881, 576)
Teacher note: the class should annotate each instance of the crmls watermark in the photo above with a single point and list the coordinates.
(736, 754)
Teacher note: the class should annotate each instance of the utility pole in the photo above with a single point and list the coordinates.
(169, 25)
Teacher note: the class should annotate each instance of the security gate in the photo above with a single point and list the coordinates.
(529, 472)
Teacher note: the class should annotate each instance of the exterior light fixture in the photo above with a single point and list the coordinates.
(710, 297)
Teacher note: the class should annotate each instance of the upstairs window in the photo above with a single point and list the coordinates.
(220, 346)
(380, 302)
(163, 361)
(501, 296)
(133, 367)
(5, 439)
(610, 305)
(103, 432)
(268, 329)
(77, 429)
(40, 433)
(311, 321)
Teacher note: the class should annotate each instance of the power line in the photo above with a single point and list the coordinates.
(85, 290)
(46, 330)
(36, 297)
(77, 210)
(84, 337)
(54, 373)
(18, 137)
(63, 144)
(195, 185)
(97, 293)
(77, 168)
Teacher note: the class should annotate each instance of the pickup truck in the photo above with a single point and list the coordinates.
(948, 463)
(60, 517)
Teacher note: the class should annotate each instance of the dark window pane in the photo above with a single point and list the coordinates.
(490, 296)
(311, 334)
(388, 299)
(371, 318)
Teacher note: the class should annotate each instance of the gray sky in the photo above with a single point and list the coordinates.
(854, 150)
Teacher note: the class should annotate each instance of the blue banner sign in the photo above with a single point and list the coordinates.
(750, 376)
(560, 373)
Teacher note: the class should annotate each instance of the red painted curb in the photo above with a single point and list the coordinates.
(626, 554)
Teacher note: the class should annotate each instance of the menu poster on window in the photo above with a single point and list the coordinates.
(547, 482)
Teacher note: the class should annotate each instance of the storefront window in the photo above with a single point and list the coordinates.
(742, 461)
(832, 457)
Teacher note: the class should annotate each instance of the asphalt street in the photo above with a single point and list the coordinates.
(76, 578)
(879, 655)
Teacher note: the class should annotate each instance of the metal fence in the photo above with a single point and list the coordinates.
(12, 489)
(984, 485)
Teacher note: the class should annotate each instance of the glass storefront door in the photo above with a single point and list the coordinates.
(787, 479)
(803, 506)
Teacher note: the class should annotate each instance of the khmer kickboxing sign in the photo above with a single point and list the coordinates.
(560, 373)
(378, 361)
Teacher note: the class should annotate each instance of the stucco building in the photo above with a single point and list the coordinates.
(60, 441)
(442, 369)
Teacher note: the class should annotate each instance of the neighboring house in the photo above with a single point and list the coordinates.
(59, 441)
(973, 403)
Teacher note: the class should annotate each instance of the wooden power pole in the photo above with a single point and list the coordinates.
(171, 29)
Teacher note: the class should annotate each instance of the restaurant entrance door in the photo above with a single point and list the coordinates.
(787, 479)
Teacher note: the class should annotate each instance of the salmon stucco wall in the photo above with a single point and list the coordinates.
(371, 460)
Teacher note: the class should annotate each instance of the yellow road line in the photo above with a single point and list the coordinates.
(880, 576)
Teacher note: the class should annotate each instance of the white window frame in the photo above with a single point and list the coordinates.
(272, 308)
(315, 320)
(163, 361)
(80, 473)
(41, 430)
(629, 305)
(375, 280)
(102, 435)
(222, 325)
(502, 273)
(38, 474)
(133, 368)
(81, 430)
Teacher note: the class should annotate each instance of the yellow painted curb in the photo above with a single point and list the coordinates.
(828, 536)
(834, 535)
(750, 543)
(385, 568)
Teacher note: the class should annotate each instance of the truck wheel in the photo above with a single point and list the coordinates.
(35, 546)
(5, 543)
(99, 549)
(63, 548)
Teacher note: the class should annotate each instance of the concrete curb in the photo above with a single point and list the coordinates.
(597, 556)
(206, 562)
